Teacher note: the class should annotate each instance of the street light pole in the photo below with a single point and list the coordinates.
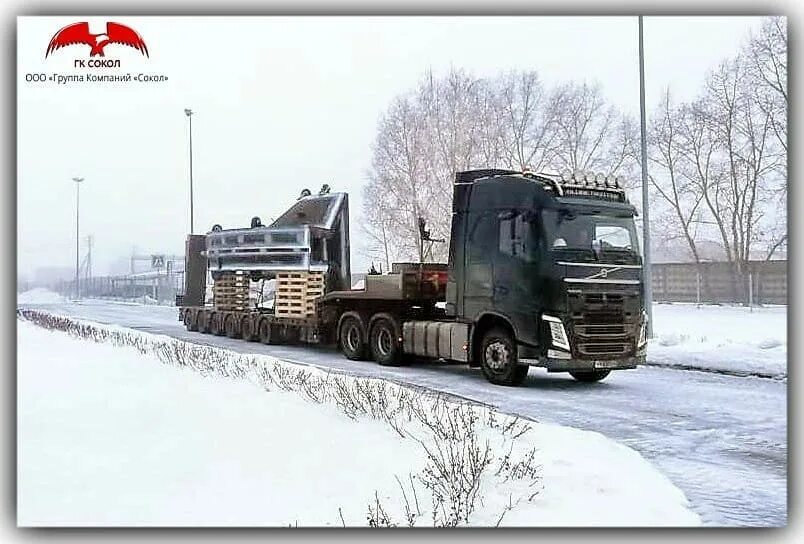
(646, 270)
(189, 113)
(77, 239)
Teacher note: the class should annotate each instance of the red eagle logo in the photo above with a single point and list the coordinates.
(78, 34)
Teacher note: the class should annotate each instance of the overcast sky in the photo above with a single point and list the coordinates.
(282, 103)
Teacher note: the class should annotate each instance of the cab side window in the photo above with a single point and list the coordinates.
(482, 237)
(517, 237)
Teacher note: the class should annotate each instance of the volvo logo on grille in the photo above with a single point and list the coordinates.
(604, 273)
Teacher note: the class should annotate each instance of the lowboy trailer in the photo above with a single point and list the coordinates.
(543, 271)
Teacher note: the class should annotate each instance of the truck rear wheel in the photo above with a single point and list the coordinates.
(247, 329)
(265, 332)
(384, 342)
(230, 324)
(352, 339)
(499, 360)
(590, 376)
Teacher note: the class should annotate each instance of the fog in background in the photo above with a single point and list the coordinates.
(282, 104)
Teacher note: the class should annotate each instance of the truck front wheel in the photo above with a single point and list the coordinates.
(499, 361)
(590, 376)
(384, 342)
(352, 339)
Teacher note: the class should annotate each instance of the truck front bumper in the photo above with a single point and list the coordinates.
(553, 364)
(565, 365)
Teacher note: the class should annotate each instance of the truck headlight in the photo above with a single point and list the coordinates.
(557, 333)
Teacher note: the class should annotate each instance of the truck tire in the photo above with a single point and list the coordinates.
(286, 335)
(498, 359)
(215, 325)
(590, 376)
(352, 339)
(247, 331)
(202, 321)
(191, 320)
(230, 325)
(265, 332)
(384, 342)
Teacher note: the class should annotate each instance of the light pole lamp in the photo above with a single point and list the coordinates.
(77, 181)
(189, 113)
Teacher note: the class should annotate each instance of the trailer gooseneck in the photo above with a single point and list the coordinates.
(543, 271)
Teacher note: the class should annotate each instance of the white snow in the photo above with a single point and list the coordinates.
(108, 436)
(39, 295)
(721, 338)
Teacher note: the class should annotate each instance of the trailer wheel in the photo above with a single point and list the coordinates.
(591, 376)
(265, 332)
(202, 321)
(287, 335)
(352, 339)
(230, 324)
(384, 342)
(191, 320)
(247, 331)
(215, 325)
(499, 360)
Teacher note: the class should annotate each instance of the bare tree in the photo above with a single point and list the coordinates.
(398, 193)
(742, 130)
(666, 141)
(458, 122)
(767, 54)
(452, 132)
(528, 118)
(584, 124)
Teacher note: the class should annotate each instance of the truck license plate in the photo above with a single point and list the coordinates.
(606, 364)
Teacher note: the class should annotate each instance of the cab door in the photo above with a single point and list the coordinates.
(481, 243)
(516, 273)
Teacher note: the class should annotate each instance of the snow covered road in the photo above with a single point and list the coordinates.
(721, 439)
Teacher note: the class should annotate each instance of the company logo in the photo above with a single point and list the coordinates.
(79, 34)
(604, 273)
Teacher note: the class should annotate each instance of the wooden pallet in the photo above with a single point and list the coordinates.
(296, 293)
(231, 291)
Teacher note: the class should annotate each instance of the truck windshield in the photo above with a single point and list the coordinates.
(570, 230)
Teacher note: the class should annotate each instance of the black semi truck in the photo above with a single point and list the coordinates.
(543, 270)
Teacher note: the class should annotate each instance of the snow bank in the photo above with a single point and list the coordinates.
(731, 339)
(108, 436)
(39, 295)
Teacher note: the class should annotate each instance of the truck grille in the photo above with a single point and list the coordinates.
(615, 329)
(604, 325)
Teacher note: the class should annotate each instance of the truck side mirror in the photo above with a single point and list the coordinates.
(596, 247)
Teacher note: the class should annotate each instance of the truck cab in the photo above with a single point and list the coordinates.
(547, 272)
